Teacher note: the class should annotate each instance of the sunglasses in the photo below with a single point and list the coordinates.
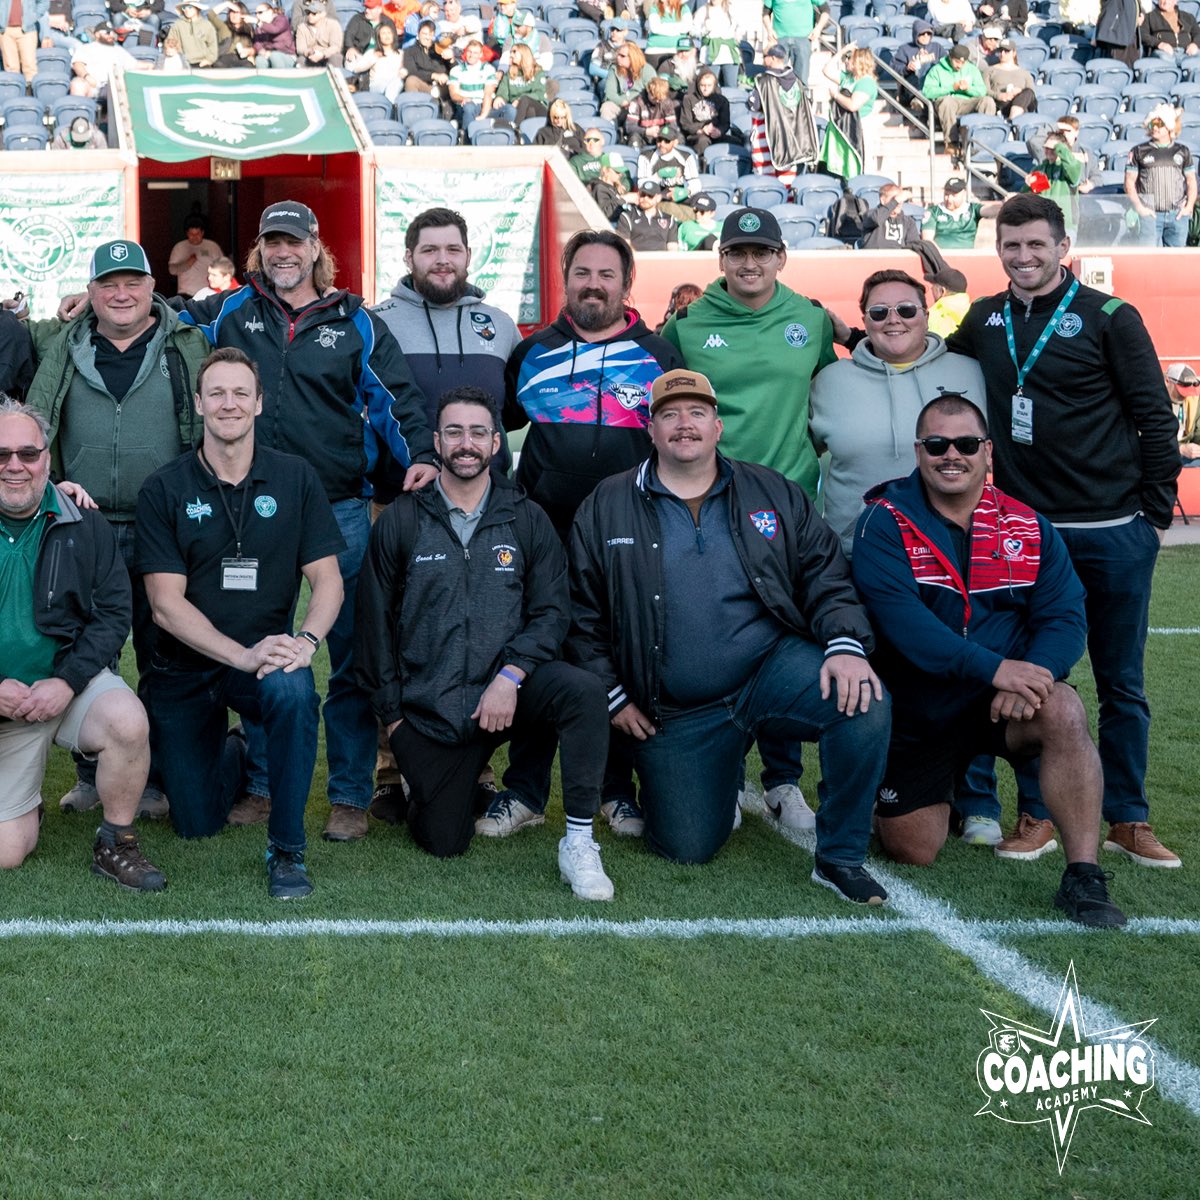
(26, 454)
(593, 141)
(937, 445)
(905, 311)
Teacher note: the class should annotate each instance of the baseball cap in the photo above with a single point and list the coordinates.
(612, 159)
(121, 255)
(1008, 44)
(650, 187)
(668, 133)
(703, 202)
(776, 51)
(314, 6)
(681, 384)
(686, 43)
(751, 227)
(103, 27)
(619, 23)
(960, 53)
(290, 217)
(992, 31)
(524, 18)
(1181, 373)
(956, 185)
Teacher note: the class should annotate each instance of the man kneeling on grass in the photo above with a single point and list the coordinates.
(713, 602)
(462, 609)
(224, 534)
(980, 619)
(65, 608)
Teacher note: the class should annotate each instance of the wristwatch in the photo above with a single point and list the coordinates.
(310, 637)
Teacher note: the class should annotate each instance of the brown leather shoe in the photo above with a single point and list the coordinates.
(345, 824)
(1136, 839)
(250, 810)
(1030, 840)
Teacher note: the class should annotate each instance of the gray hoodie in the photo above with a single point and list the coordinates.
(864, 412)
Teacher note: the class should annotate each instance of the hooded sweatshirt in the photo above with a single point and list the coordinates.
(760, 363)
(864, 412)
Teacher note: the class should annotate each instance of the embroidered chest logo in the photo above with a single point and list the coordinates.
(505, 556)
(484, 326)
(796, 335)
(715, 341)
(1069, 325)
(629, 395)
(265, 506)
(162, 366)
(197, 511)
(328, 338)
(996, 319)
(765, 522)
(254, 325)
(1013, 547)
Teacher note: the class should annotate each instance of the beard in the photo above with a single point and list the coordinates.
(590, 317)
(440, 293)
(468, 464)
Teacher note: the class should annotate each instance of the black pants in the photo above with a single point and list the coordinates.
(442, 778)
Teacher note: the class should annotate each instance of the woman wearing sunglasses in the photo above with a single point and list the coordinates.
(864, 407)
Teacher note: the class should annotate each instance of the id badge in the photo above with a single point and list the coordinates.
(239, 574)
(1022, 420)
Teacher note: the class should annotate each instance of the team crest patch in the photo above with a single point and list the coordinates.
(328, 338)
(504, 556)
(265, 506)
(749, 223)
(765, 523)
(1069, 325)
(1013, 547)
(484, 326)
(796, 335)
(629, 395)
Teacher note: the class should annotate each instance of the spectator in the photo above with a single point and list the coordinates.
(887, 226)
(604, 54)
(950, 300)
(319, 38)
(649, 113)
(92, 62)
(560, 130)
(522, 90)
(784, 136)
(611, 188)
(704, 114)
(676, 169)
(667, 21)
(427, 70)
(19, 35)
(429, 11)
(1116, 32)
(142, 17)
(526, 33)
(16, 349)
(170, 59)
(196, 36)
(722, 47)
(680, 69)
(235, 34)
(502, 27)
(221, 274)
(59, 27)
(1068, 128)
(1183, 386)
(951, 19)
(796, 26)
(954, 223)
(274, 42)
(587, 164)
(682, 294)
(855, 95)
(362, 30)
(700, 233)
(383, 64)
(1010, 85)
(1160, 180)
(473, 85)
(912, 61)
(955, 86)
(191, 258)
(1008, 14)
(1058, 176)
(1170, 33)
(626, 78)
(81, 134)
(986, 47)
(459, 26)
(647, 226)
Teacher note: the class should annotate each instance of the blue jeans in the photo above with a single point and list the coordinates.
(691, 768)
(975, 795)
(800, 52)
(188, 712)
(1170, 229)
(350, 731)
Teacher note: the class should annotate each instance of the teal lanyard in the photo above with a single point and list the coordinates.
(1051, 326)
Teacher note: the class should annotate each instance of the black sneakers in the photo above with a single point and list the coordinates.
(1083, 896)
(124, 863)
(287, 877)
(851, 883)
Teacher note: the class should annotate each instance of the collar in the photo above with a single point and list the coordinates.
(209, 479)
(1048, 299)
(452, 507)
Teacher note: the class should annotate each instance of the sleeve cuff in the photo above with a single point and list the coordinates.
(845, 645)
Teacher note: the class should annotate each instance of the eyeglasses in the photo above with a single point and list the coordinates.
(26, 454)
(456, 433)
(905, 311)
(593, 141)
(937, 445)
(760, 254)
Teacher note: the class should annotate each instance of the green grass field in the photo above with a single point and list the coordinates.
(509, 1041)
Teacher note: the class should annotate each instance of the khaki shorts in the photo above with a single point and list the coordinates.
(25, 747)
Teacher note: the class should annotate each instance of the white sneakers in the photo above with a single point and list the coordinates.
(785, 802)
(579, 865)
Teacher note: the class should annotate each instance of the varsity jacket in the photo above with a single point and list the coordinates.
(82, 592)
(434, 622)
(942, 631)
(790, 555)
(1104, 444)
(588, 404)
(323, 372)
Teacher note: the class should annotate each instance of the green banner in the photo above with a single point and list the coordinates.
(501, 210)
(49, 225)
(179, 117)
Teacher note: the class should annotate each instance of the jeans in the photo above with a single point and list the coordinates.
(691, 768)
(350, 736)
(276, 59)
(799, 50)
(1170, 229)
(188, 725)
(975, 795)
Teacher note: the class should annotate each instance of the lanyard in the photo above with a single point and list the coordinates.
(1051, 326)
(244, 487)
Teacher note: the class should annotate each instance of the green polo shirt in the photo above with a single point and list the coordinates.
(954, 230)
(28, 653)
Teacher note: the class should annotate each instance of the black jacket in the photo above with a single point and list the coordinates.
(360, 32)
(434, 622)
(696, 111)
(1154, 29)
(798, 572)
(82, 593)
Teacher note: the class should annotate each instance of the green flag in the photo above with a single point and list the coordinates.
(839, 156)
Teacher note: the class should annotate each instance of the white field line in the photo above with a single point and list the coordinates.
(1168, 631)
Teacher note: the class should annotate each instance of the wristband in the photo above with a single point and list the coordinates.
(310, 637)
(510, 676)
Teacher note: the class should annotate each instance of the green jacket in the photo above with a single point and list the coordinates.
(760, 363)
(941, 78)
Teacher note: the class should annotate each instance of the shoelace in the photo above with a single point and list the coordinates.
(625, 811)
(1092, 886)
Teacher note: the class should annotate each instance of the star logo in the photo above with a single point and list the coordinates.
(1054, 1075)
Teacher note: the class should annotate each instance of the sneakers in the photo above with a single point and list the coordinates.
(153, 805)
(737, 812)
(624, 817)
(981, 831)
(1083, 896)
(287, 876)
(506, 814)
(1031, 839)
(1136, 839)
(250, 810)
(124, 863)
(83, 797)
(346, 823)
(851, 883)
(785, 802)
(579, 865)
(389, 803)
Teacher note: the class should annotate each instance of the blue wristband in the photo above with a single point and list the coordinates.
(509, 675)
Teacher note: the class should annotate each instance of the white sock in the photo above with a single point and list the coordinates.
(579, 830)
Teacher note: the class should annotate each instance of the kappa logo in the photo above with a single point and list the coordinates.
(887, 796)
(327, 338)
(766, 523)
(1069, 325)
(995, 319)
(796, 335)
(504, 556)
(484, 326)
(629, 395)
(715, 342)
(254, 325)
(265, 506)
(197, 510)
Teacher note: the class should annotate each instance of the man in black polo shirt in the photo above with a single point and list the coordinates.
(223, 536)
(647, 227)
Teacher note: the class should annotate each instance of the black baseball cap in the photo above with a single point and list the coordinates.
(290, 217)
(703, 202)
(751, 227)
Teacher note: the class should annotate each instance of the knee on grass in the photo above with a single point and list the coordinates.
(915, 838)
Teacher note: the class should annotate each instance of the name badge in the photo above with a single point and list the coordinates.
(1022, 420)
(239, 574)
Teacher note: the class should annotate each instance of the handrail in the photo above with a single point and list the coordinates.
(925, 127)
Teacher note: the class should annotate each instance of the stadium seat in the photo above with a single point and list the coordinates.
(1052, 102)
(1094, 132)
(556, 14)
(24, 112)
(1129, 124)
(900, 27)
(727, 161)
(433, 131)
(723, 210)
(48, 88)
(820, 197)
(859, 182)
(739, 115)
(54, 58)
(1116, 152)
(487, 133)
(1142, 97)
(818, 243)
(761, 191)
(412, 107)
(1186, 96)
(1069, 46)
(721, 190)
(861, 30)
(1032, 55)
(374, 106)
(32, 137)
(1108, 183)
(583, 109)
(12, 85)
(1157, 71)
(798, 228)
(577, 32)
(68, 108)
(144, 54)
(1013, 177)
(609, 129)
(1191, 68)
(983, 133)
(530, 128)
(570, 75)
(383, 131)
(1097, 100)
(1027, 124)
(1110, 71)
(1065, 74)
(561, 54)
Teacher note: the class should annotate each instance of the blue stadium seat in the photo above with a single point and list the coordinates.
(1157, 71)
(68, 108)
(374, 106)
(12, 85)
(433, 131)
(1129, 124)
(721, 190)
(1071, 46)
(1064, 74)
(1110, 71)
(556, 14)
(900, 27)
(1142, 97)
(863, 30)
(727, 161)
(818, 243)
(799, 228)
(1097, 99)
(609, 129)
(1032, 55)
(54, 58)
(48, 88)
(487, 133)
(1191, 68)
(35, 137)
(530, 128)
(23, 112)
(144, 54)
(383, 131)
(1108, 183)
(983, 133)
(1027, 124)
(570, 74)
(761, 191)
(818, 196)
(1052, 102)
(1094, 132)
(583, 109)
(1116, 152)
(561, 54)
(413, 106)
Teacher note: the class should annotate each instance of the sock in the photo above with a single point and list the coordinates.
(1081, 868)
(579, 830)
(109, 833)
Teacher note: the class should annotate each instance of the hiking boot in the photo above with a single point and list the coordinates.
(981, 831)
(287, 876)
(346, 824)
(505, 815)
(1030, 840)
(785, 803)
(389, 803)
(851, 883)
(1083, 896)
(579, 865)
(1136, 839)
(153, 805)
(83, 797)
(625, 817)
(124, 863)
(250, 810)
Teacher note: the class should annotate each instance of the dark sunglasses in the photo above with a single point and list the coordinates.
(937, 445)
(26, 454)
(905, 311)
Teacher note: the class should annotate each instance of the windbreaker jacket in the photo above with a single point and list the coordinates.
(790, 556)
(942, 636)
(334, 381)
(82, 592)
(435, 622)
(940, 79)
(588, 403)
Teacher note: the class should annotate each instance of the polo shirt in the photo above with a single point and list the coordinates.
(954, 230)
(28, 653)
(472, 81)
(183, 528)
